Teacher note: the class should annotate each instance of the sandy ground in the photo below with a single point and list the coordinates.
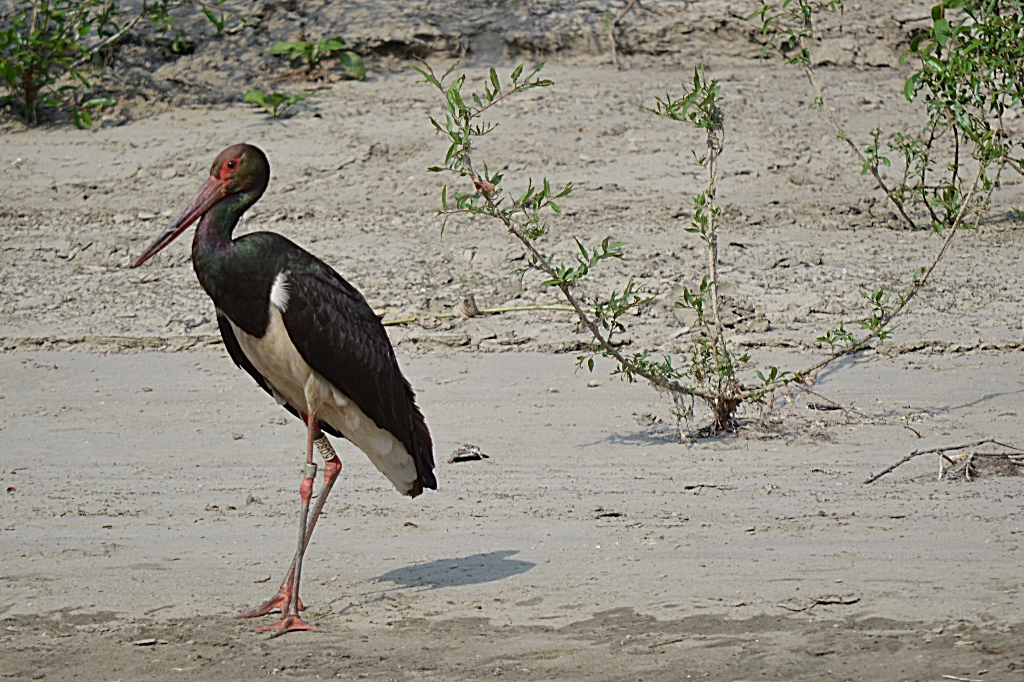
(155, 496)
(151, 486)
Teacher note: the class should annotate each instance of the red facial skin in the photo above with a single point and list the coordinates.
(213, 190)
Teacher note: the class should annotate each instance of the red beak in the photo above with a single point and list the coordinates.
(212, 191)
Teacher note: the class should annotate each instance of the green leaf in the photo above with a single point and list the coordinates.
(942, 31)
(910, 87)
(218, 23)
(255, 97)
(330, 45)
(451, 68)
(297, 98)
(286, 48)
(353, 64)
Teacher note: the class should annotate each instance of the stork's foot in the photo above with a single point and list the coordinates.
(279, 602)
(287, 624)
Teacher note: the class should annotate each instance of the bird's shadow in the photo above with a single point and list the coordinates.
(469, 570)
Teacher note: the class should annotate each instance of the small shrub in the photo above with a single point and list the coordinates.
(216, 19)
(711, 373)
(275, 103)
(312, 54)
(159, 14)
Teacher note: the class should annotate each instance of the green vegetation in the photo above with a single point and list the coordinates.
(313, 54)
(216, 19)
(49, 49)
(159, 14)
(970, 72)
(275, 103)
(43, 54)
(711, 373)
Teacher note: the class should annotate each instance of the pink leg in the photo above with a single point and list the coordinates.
(332, 469)
(291, 622)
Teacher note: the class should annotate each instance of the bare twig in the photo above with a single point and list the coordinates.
(671, 641)
(1008, 455)
(831, 404)
(611, 30)
(841, 134)
(906, 425)
(942, 451)
(112, 39)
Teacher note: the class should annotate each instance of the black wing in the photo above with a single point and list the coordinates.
(241, 360)
(338, 334)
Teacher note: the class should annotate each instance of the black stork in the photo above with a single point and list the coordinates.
(310, 340)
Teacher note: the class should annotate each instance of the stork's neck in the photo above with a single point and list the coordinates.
(216, 226)
(237, 273)
(214, 256)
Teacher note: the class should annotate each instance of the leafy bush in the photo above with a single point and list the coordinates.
(42, 52)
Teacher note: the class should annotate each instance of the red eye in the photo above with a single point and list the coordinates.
(228, 168)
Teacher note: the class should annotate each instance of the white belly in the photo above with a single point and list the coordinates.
(298, 384)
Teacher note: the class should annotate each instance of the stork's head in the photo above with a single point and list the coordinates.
(239, 175)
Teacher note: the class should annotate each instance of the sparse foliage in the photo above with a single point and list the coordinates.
(159, 14)
(970, 72)
(274, 103)
(313, 54)
(711, 372)
(217, 19)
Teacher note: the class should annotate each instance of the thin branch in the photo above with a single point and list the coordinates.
(820, 98)
(611, 30)
(941, 451)
(508, 93)
(111, 39)
(905, 301)
(486, 190)
(716, 135)
(833, 405)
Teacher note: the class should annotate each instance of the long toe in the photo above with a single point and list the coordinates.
(287, 624)
(279, 602)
